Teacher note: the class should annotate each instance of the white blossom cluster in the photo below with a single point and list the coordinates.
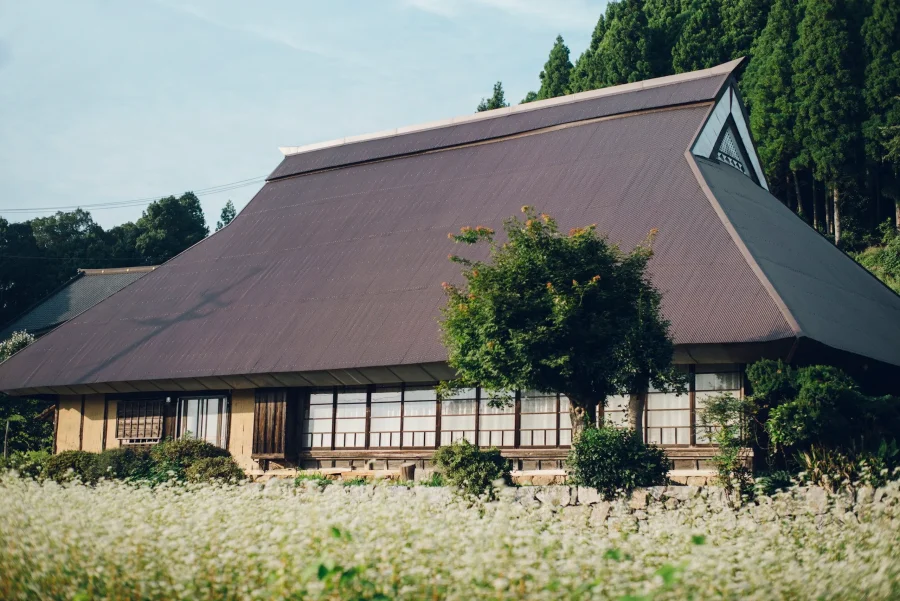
(279, 541)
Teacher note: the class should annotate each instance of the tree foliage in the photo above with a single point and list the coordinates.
(827, 77)
(625, 49)
(496, 101)
(770, 90)
(555, 76)
(226, 216)
(555, 312)
(169, 226)
(472, 470)
(701, 42)
(881, 35)
(39, 255)
(883, 260)
(819, 405)
(616, 461)
(18, 417)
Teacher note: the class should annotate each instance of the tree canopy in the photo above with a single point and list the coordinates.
(169, 226)
(827, 80)
(555, 312)
(39, 255)
(496, 101)
(555, 76)
(226, 216)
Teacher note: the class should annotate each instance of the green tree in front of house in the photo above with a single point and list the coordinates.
(555, 76)
(496, 101)
(169, 226)
(548, 311)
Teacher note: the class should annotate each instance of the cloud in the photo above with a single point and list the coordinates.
(267, 27)
(563, 13)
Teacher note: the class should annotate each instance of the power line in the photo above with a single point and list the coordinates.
(139, 201)
(71, 258)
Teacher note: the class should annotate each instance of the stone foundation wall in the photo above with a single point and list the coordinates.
(627, 514)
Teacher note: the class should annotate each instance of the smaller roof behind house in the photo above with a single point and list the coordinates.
(77, 295)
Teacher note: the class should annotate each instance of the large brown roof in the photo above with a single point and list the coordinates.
(337, 262)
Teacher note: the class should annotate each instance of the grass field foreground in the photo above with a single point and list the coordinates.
(120, 541)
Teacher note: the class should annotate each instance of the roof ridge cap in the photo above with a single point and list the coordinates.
(117, 270)
(646, 84)
(789, 317)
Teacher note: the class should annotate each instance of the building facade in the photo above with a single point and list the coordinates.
(305, 333)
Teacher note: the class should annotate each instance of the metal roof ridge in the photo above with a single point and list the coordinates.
(118, 270)
(723, 69)
(786, 312)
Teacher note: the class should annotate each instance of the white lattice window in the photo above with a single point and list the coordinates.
(729, 152)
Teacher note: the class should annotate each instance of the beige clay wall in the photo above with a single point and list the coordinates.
(240, 437)
(68, 425)
(111, 440)
(92, 433)
(74, 433)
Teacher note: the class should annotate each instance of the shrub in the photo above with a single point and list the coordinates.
(884, 260)
(313, 477)
(70, 465)
(210, 469)
(614, 460)
(471, 469)
(125, 463)
(435, 480)
(836, 469)
(727, 419)
(820, 406)
(357, 481)
(172, 457)
(772, 482)
(30, 464)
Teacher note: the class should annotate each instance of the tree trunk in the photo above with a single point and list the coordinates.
(837, 217)
(897, 213)
(815, 206)
(828, 229)
(636, 403)
(787, 192)
(799, 196)
(582, 414)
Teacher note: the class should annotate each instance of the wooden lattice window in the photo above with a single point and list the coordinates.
(139, 422)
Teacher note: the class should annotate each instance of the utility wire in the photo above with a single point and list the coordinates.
(139, 201)
(3, 257)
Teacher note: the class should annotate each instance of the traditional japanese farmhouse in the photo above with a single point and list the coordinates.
(306, 332)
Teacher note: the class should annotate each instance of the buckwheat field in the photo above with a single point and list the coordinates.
(281, 541)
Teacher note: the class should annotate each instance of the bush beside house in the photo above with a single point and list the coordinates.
(615, 460)
(471, 469)
(183, 459)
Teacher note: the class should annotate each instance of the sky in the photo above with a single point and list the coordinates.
(111, 101)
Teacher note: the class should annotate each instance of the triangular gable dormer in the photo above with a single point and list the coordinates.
(726, 138)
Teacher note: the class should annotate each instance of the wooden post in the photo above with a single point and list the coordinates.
(692, 395)
(407, 472)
